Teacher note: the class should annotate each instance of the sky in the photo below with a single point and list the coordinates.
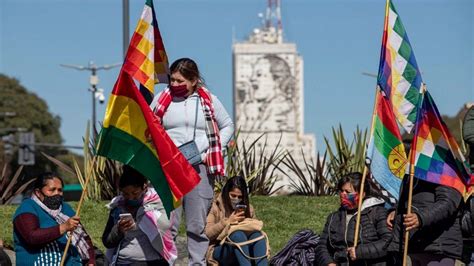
(338, 40)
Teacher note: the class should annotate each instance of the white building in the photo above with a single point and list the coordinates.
(268, 91)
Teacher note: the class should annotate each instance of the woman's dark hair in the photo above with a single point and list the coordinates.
(188, 69)
(235, 182)
(355, 179)
(43, 178)
(131, 177)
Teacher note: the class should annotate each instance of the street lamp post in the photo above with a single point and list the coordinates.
(126, 25)
(93, 81)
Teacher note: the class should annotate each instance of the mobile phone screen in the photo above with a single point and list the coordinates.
(126, 216)
(241, 206)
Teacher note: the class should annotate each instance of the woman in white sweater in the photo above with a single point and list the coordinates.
(199, 125)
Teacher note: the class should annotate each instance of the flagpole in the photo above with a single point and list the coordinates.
(362, 182)
(412, 174)
(81, 200)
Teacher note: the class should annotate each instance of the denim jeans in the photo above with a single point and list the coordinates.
(230, 255)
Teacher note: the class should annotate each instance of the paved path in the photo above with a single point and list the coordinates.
(182, 251)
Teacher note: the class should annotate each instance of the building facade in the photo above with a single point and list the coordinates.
(268, 95)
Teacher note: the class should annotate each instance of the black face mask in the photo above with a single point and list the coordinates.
(53, 202)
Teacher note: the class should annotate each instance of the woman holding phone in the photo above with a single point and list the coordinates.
(138, 229)
(231, 207)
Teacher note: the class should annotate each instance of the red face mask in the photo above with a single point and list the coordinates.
(179, 91)
(349, 201)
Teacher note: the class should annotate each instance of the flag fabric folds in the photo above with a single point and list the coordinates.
(438, 158)
(386, 153)
(132, 135)
(146, 59)
(399, 76)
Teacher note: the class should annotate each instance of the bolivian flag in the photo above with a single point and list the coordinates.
(132, 135)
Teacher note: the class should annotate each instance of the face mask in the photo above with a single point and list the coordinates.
(135, 202)
(234, 202)
(53, 202)
(349, 201)
(179, 91)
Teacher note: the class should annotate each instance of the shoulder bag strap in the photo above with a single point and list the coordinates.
(196, 117)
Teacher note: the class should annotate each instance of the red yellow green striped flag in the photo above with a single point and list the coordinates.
(386, 153)
(146, 59)
(132, 135)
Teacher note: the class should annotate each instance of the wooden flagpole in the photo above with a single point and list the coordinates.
(412, 174)
(84, 192)
(81, 200)
(362, 182)
(372, 126)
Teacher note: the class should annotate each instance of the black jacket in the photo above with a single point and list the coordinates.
(374, 236)
(438, 210)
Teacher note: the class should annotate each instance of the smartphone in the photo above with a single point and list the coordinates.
(126, 216)
(241, 207)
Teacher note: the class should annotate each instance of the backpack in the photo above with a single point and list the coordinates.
(468, 133)
(300, 250)
(467, 218)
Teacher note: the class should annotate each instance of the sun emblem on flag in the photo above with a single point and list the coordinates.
(397, 161)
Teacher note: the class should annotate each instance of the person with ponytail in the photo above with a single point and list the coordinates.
(201, 128)
(43, 223)
(336, 246)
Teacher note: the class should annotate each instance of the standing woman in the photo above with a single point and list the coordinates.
(192, 114)
(40, 225)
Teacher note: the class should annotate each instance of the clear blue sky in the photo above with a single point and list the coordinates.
(338, 40)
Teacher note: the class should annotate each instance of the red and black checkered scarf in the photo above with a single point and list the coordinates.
(214, 162)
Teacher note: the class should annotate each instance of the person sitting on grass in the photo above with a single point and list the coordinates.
(231, 207)
(138, 229)
(41, 223)
(335, 246)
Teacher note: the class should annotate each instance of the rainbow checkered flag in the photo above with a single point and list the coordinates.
(399, 76)
(438, 158)
(146, 59)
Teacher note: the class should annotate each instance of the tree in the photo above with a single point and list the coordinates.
(32, 114)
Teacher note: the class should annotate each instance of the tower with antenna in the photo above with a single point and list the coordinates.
(268, 91)
(271, 28)
(273, 19)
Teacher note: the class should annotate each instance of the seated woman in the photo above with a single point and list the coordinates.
(138, 229)
(231, 207)
(335, 246)
(40, 225)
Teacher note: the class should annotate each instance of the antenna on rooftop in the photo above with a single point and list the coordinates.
(273, 16)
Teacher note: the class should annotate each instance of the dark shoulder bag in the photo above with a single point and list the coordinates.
(190, 149)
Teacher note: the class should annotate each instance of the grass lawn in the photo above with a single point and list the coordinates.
(283, 216)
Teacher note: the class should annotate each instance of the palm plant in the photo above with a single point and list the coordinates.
(312, 179)
(346, 156)
(254, 163)
(11, 187)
